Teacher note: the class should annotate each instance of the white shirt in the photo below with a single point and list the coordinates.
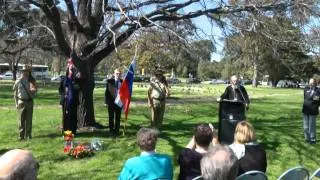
(238, 149)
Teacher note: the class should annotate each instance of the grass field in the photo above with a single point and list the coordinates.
(275, 113)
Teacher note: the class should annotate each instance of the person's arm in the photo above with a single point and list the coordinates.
(15, 93)
(191, 144)
(125, 173)
(167, 91)
(245, 95)
(61, 86)
(215, 140)
(224, 95)
(106, 94)
(150, 101)
(33, 86)
(316, 96)
(170, 169)
(166, 86)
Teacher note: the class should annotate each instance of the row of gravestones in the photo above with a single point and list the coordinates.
(190, 89)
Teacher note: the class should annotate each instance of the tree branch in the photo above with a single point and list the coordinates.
(52, 12)
(134, 6)
(98, 54)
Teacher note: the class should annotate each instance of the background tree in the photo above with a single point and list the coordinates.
(276, 48)
(24, 38)
(94, 29)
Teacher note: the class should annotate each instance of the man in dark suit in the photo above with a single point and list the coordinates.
(235, 91)
(112, 88)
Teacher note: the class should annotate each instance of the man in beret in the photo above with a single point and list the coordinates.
(157, 93)
(24, 92)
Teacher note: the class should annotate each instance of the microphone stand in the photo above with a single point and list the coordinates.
(244, 99)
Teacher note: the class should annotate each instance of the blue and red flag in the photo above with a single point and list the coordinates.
(125, 91)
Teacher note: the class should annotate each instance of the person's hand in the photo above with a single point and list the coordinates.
(106, 105)
(33, 90)
(211, 127)
(247, 107)
(214, 141)
(191, 144)
(218, 99)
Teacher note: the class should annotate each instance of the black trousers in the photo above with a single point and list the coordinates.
(70, 118)
(114, 118)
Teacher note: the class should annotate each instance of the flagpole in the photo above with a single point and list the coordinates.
(126, 118)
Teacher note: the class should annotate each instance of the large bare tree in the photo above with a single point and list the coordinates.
(94, 28)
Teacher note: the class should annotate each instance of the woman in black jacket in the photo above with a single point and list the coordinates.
(310, 110)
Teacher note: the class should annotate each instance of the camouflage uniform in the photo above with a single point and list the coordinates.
(157, 93)
(24, 102)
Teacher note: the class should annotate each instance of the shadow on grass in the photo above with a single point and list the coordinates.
(48, 135)
(285, 131)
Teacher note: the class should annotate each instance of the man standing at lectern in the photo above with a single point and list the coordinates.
(235, 91)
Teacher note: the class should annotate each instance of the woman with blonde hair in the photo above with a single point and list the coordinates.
(250, 154)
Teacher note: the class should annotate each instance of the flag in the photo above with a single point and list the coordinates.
(123, 97)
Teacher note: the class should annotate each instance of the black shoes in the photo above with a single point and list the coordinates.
(311, 142)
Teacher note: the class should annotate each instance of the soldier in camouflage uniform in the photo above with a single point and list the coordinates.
(24, 91)
(157, 93)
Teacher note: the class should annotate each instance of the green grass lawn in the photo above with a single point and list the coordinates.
(275, 113)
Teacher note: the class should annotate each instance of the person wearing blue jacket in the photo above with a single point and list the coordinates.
(149, 165)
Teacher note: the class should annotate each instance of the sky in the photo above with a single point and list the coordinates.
(208, 29)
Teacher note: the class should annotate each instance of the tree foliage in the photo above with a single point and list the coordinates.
(94, 29)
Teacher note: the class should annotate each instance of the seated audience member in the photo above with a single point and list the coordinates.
(219, 163)
(250, 154)
(18, 164)
(149, 165)
(189, 157)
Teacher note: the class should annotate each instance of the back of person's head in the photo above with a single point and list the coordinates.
(203, 135)
(219, 163)
(147, 139)
(244, 133)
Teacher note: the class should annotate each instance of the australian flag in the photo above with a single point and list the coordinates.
(123, 97)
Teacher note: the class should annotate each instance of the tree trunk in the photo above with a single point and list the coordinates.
(255, 55)
(255, 72)
(85, 109)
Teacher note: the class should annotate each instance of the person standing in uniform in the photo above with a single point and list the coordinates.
(235, 91)
(310, 110)
(157, 93)
(114, 111)
(24, 92)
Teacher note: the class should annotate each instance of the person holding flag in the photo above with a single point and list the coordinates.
(114, 111)
(123, 98)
